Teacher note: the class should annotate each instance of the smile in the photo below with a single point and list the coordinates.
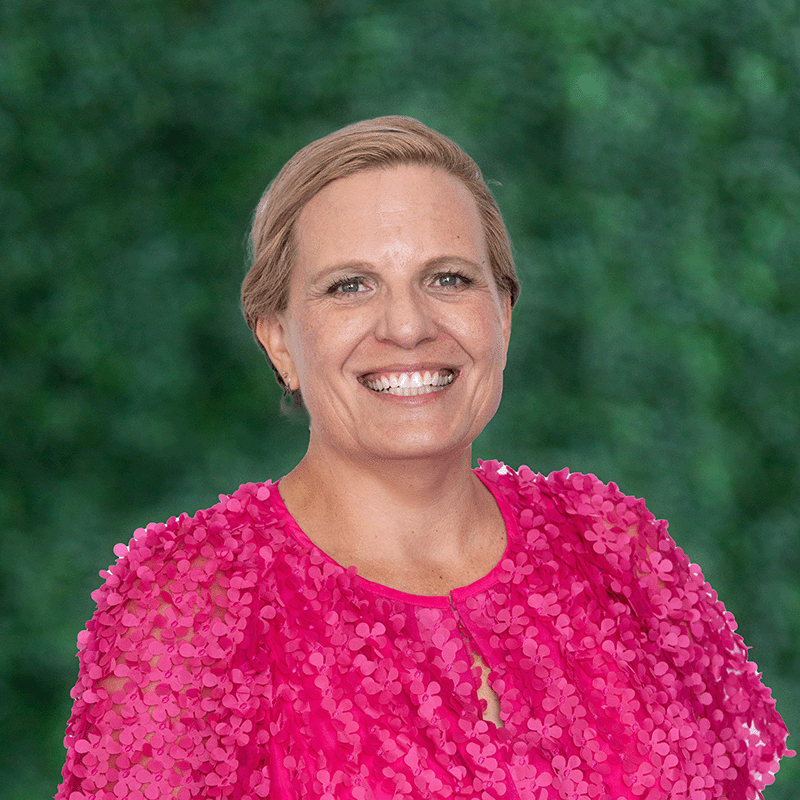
(410, 383)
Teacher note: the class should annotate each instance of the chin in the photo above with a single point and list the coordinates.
(420, 447)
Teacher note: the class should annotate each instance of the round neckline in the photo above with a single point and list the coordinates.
(459, 594)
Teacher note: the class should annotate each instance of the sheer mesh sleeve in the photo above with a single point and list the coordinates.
(156, 711)
(690, 657)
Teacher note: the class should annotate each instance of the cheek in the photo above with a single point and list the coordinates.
(484, 335)
(304, 349)
(320, 346)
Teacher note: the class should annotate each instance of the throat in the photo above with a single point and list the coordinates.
(424, 540)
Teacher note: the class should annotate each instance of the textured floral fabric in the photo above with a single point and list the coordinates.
(230, 658)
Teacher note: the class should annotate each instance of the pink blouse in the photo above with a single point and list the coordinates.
(230, 658)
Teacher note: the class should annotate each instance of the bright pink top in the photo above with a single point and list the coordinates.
(230, 658)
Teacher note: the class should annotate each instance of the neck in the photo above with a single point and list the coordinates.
(412, 518)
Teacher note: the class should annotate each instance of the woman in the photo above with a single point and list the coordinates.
(385, 621)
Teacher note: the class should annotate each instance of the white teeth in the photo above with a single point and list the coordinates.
(411, 383)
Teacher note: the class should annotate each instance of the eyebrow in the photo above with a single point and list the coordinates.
(443, 261)
(366, 266)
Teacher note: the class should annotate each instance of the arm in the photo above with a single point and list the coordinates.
(691, 647)
(152, 712)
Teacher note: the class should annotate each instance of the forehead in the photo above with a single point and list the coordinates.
(406, 202)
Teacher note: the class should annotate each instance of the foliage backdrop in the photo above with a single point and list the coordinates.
(644, 152)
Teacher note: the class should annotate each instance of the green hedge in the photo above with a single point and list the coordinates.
(645, 154)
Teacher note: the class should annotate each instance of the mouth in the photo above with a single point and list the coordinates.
(406, 384)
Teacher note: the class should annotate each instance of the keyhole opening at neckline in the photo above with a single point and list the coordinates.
(485, 692)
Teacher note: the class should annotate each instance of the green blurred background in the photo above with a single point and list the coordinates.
(645, 154)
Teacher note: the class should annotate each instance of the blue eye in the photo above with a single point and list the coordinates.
(346, 286)
(450, 280)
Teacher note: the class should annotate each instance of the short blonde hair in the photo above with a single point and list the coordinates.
(379, 143)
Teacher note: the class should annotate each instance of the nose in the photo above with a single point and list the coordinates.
(405, 319)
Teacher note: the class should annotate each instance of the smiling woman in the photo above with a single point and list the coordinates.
(386, 621)
(407, 244)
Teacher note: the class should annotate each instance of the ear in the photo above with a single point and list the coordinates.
(271, 332)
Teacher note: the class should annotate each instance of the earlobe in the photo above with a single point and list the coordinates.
(271, 332)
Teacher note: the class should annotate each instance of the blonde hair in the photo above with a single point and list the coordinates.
(379, 143)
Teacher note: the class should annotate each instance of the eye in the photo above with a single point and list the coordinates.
(450, 280)
(346, 286)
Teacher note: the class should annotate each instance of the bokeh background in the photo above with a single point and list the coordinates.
(645, 154)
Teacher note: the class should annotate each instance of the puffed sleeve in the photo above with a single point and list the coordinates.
(687, 651)
(155, 705)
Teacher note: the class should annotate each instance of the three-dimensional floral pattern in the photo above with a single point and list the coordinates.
(230, 658)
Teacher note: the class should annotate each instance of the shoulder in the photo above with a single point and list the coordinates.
(235, 536)
(193, 579)
(570, 496)
(593, 529)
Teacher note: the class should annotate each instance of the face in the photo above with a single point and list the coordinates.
(395, 331)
